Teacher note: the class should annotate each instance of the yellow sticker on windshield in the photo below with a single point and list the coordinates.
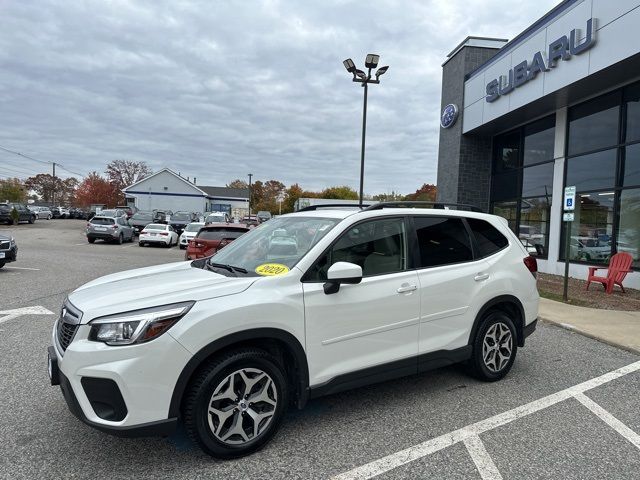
(271, 269)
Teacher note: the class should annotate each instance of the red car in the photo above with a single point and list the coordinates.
(213, 237)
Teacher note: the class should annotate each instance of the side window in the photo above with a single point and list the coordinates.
(442, 241)
(488, 239)
(378, 246)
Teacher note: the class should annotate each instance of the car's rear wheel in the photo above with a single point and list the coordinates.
(235, 405)
(120, 239)
(48, 217)
(32, 219)
(494, 347)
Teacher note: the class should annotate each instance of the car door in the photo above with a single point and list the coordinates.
(450, 282)
(372, 325)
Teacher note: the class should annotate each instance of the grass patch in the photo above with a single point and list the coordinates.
(558, 298)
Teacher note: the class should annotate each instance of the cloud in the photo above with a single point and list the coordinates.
(217, 90)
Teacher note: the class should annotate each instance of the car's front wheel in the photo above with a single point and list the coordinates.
(2, 264)
(236, 403)
(494, 347)
(91, 240)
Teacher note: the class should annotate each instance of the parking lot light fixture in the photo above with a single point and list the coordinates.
(365, 79)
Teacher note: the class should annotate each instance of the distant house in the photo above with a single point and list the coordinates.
(166, 190)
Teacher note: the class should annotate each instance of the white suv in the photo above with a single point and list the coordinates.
(304, 305)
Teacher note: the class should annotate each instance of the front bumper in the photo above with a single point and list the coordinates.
(10, 255)
(140, 381)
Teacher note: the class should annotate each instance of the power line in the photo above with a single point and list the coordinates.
(40, 161)
(16, 171)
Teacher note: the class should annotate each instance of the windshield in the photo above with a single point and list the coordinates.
(282, 241)
(180, 216)
(194, 227)
(142, 216)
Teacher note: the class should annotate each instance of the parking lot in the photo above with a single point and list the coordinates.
(568, 409)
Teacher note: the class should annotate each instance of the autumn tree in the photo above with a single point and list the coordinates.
(96, 189)
(269, 192)
(342, 192)
(122, 173)
(12, 190)
(427, 193)
(291, 194)
(237, 183)
(45, 186)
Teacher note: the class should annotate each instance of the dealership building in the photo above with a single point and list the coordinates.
(557, 106)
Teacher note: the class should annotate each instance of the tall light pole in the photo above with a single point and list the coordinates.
(250, 175)
(359, 76)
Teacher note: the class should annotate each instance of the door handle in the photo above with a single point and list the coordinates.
(481, 276)
(407, 288)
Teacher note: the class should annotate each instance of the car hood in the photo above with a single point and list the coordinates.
(153, 286)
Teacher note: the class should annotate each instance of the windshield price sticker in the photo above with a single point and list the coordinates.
(271, 269)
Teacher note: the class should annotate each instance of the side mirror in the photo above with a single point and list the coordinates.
(339, 273)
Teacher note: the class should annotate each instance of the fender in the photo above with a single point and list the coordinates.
(302, 384)
(495, 301)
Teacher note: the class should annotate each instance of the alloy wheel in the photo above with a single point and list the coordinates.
(242, 406)
(497, 347)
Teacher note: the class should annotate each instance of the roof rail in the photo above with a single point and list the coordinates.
(418, 204)
(311, 208)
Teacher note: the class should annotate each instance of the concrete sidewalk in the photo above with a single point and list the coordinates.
(620, 329)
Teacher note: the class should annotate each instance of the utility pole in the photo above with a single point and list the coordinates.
(53, 193)
(250, 175)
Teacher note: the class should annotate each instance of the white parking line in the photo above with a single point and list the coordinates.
(482, 459)
(7, 315)
(609, 419)
(22, 268)
(395, 460)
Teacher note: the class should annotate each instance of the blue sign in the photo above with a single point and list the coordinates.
(449, 115)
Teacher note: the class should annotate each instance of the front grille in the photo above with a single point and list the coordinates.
(67, 325)
(4, 245)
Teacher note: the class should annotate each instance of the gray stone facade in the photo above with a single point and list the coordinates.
(464, 161)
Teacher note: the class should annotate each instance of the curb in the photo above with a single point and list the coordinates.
(573, 328)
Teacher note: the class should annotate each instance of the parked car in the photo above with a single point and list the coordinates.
(189, 233)
(130, 209)
(213, 237)
(8, 250)
(60, 212)
(225, 345)
(160, 216)
(180, 220)
(41, 212)
(24, 214)
(217, 217)
(113, 212)
(251, 221)
(141, 219)
(109, 229)
(263, 216)
(158, 234)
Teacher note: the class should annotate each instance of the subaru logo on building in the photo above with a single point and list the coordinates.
(449, 115)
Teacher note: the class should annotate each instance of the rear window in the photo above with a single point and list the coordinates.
(442, 241)
(102, 221)
(142, 216)
(155, 227)
(181, 216)
(220, 233)
(488, 238)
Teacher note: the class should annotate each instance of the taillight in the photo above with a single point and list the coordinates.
(115, 227)
(164, 234)
(532, 264)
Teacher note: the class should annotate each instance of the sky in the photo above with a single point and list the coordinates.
(219, 89)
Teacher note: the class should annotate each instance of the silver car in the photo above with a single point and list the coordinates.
(42, 212)
(109, 229)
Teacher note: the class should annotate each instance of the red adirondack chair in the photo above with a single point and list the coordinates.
(619, 266)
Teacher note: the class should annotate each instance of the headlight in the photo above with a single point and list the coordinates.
(138, 326)
(12, 242)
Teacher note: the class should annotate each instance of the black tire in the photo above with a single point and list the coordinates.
(91, 240)
(120, 239)
(141, 244)
(198, 395)
(2, 264)
(32, 219)
(48, 217)
(489, 371)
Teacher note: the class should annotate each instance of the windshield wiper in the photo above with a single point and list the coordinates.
(229, 268)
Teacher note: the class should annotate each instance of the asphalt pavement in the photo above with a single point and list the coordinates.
(533, 424)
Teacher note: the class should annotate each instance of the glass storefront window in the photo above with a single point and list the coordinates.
(507, 152)
(629, 229)
(508, 210)
(594, 124)
(632, 166)
(505, 185)
(592, 228)
(632, 100)
(539, 141)
(533, 230)
(537, 180)
(592, 171)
